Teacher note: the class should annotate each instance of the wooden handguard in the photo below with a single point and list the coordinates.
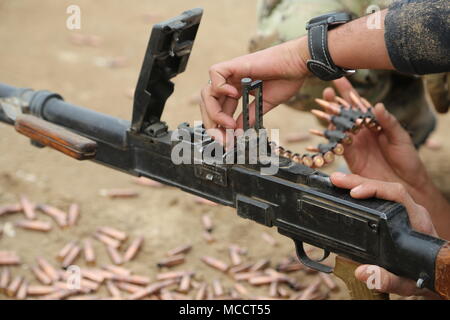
(442, 274)
(56, 137)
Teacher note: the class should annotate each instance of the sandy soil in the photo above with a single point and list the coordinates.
(37, 53)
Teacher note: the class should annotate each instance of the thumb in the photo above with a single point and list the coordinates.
(391, 127)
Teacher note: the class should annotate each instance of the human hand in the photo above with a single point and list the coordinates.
(388, 155)
(283, 69)
(363, 188)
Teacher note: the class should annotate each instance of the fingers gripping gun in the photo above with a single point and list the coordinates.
(299, 201)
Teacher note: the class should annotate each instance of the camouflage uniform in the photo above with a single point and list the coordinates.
(403, 95)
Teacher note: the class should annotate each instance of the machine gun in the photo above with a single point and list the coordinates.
(298, 200)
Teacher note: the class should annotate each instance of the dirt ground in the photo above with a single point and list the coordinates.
(37, 52)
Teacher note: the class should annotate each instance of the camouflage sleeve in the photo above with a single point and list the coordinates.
(417, 35)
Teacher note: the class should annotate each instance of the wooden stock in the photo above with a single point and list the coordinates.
(345, 270)
(442, 273)
(56, 137)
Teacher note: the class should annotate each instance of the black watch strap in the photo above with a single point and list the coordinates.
(321, 63)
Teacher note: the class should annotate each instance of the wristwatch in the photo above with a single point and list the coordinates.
(321, 63)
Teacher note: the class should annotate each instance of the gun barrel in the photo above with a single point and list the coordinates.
(86, 122)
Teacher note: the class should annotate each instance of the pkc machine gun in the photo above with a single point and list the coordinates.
(299, 201)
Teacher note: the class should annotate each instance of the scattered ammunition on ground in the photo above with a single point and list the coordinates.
(234, 295)
(109, 242)
(269, 239)
(83, 297)
(310, 290)
(88, 252)
(23, 291)
(118, 193)
(215, 263)
(208, 237)
(28, 207)
(207, 223)
(166, 295)
(92, 275)
(343, 102)
(133, 249)
(88, 285)
(282, 292)
(234, 256)
(217, 288)
(329, 282)
(5, 277)
(70, 258)
(117, 270)
(240, 268)
(179, 250)
(58, 215)
(128, 287)
(105, 274)
(113, 290)
(151, 289)
(9, 258)
(261, 280)
(319, 296)
(273, 290)
(40, 290)
(201, 292)
(34, 225)
(113, 233)
(172, 261)
(40, 275)
(245, 276)
(11, 208)
(60, 294)
(185, 283)
(115, 256)
(260, 265)
(172, 275)
(65, 250)
(240, 289)
(14, 286)
(143, 181)
(134, 279)
(74, 213)
(290, 267)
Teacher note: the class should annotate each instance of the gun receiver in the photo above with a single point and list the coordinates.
(299, 201)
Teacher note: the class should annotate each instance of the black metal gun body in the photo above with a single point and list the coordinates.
(300, 202)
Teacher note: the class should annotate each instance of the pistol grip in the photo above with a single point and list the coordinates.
(56, 137)
(345, 270)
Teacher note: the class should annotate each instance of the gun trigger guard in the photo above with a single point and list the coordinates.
(313, 264)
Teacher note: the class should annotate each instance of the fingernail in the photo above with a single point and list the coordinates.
(356, 190)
